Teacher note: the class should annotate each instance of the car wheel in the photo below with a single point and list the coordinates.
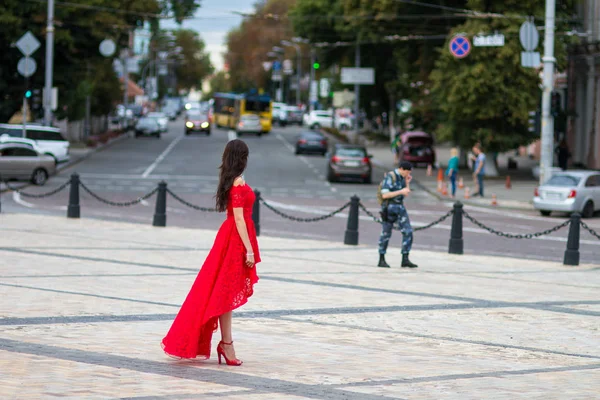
(187, 133)
(315, 126)
(297, 152)
(545, 213)
(324, 154)
(588, 210)
(39, 177)
(259, 134)
(330, 176)
(158, 135)
(207, 133)
(368, 180)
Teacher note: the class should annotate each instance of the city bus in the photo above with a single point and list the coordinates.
(229, 107)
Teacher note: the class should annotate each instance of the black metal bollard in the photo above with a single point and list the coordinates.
(74, 211)
(456, 234)
(160, 210)
(256, 212)
(351, 236)
(572, 251)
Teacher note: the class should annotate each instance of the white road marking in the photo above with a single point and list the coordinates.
(161, 157)
(305, 161)
(157, 177)
(18, 200)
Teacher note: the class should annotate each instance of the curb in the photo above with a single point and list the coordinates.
(70, 164)
(471, 203)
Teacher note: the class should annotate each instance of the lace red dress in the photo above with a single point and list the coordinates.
(223, 284)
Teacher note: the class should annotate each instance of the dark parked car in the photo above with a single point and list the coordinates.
(147, 127)
(349, 161)
(311, 142)
(417, 148)
(197, 122)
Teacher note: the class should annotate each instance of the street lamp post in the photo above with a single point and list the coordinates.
(298, 66)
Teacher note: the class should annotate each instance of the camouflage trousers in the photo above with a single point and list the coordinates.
(396, 215)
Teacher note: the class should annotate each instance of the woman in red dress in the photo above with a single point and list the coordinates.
(226, 279)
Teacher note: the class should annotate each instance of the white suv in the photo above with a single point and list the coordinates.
(48, 140)
(321, 118)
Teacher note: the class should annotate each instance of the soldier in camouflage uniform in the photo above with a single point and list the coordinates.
(393, 191)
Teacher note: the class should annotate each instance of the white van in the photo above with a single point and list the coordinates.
(48, 139)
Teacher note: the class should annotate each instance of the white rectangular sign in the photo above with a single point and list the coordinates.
(358, 76)
(489, 41)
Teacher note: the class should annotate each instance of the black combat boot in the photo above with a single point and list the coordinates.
(406, 263)
(382, 262)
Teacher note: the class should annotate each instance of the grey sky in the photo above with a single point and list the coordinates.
(213, 20)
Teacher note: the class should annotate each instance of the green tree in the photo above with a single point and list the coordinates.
(248, 44)
(486, 96)
(79, 69)
(194, 63)
(218, 83)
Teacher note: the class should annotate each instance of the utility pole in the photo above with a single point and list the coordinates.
(312, 78)
(547, 150)
(357, 86)
(49, 64)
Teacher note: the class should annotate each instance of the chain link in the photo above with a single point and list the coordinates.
(118, 204)
(516, 235)
(590, 230)
(41, 195)
(420, 228)
(298, 219)
(186, 203)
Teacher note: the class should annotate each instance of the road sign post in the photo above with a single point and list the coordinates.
(547, 150)
(27, 44)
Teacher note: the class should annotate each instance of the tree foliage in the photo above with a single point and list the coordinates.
(487, 96)
(195, 64)
(79, 69)
(248, 45)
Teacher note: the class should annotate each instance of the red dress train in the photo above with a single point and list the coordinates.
(223, 284)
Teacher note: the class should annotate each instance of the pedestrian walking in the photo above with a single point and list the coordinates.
(478, 168)
(394, 188)
(395, 147)
(452, 170)
(228, 274)
(563, 153)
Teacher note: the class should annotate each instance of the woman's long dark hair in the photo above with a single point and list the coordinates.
(235, 159)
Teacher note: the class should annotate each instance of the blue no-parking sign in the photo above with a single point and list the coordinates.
(460, 46)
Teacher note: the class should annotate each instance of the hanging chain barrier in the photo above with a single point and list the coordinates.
(590, 230)
(419, 228)
(119, 204)
(40, 195)
(516, 235)
(188, 204)
(298, 219)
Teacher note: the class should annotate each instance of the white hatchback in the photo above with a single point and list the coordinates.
(47, 139)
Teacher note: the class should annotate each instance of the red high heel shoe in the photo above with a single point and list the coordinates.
(221, 352)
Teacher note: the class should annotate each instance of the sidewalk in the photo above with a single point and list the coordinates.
(520, 196)
(86, 303)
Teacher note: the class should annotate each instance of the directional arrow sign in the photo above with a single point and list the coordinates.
(28, 44)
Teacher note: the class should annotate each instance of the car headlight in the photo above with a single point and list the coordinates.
(204, 125)
(189, 124)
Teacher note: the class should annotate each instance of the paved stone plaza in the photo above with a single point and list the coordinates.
(85, 304)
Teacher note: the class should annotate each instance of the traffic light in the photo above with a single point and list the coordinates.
(555, 106)
(534, 122)
(28, 94)
(36, 100)
(316, 65)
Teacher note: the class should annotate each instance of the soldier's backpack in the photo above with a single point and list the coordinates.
(379, 195)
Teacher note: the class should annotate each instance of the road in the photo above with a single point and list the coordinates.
(294, 184)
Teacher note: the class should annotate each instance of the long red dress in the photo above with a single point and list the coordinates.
(223, 284)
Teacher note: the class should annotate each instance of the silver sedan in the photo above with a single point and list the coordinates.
(569, 191)
(21, 162)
